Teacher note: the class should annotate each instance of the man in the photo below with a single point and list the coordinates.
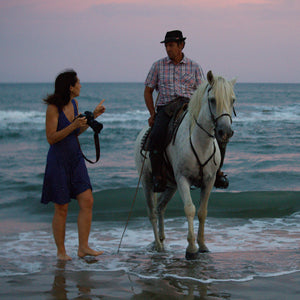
(175, 77)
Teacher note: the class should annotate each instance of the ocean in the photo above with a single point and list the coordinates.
(252, 228)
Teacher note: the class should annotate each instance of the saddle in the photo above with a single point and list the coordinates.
(178, 112)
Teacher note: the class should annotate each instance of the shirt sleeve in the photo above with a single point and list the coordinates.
(152, 78)
(199, 75)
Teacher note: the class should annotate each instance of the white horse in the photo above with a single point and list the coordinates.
(194, 157)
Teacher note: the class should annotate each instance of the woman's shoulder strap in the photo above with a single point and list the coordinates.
(75, 107)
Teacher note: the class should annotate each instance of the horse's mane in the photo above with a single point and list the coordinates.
(223, 91)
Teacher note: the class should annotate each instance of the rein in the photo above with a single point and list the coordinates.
(202, 165)
(200, 126)
(197, 158)
(136, 189)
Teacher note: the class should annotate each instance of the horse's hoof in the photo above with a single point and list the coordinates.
(203, 250)
(160, 249)
(191, 256)
(156, 247)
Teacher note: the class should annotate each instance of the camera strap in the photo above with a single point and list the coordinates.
(97, 147)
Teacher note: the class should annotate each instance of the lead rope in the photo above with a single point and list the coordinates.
(132, 204)
(136, 190)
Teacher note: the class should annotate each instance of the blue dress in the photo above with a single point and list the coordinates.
(66, 174)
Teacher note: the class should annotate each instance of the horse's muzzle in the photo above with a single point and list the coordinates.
(223, 137)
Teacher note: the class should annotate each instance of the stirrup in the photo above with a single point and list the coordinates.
(221, 181)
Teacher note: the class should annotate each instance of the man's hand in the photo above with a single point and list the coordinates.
(151, 120)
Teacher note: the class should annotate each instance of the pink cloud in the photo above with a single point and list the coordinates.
(80, 5)
(251, 39)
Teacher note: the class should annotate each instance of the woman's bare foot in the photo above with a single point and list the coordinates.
(63, 256)
(82, 252)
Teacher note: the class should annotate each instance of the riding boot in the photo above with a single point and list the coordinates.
(159, 184)
(221, 181)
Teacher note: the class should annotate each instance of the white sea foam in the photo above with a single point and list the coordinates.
(210, 280)
(129, 116)
(267, 275)
(252, 243)
(14, 120)
(266, 114)
(14, 116)
(221, 235)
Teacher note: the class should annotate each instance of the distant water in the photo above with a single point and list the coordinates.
(257, 218)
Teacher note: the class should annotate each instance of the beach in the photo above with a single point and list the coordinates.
(252, 228)
(248, 264)
(63, 283)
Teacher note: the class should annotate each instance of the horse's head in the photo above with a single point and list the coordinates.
(220, 100)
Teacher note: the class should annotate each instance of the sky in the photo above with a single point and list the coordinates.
(118, 40)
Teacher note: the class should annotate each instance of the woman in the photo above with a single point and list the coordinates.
(66, 175)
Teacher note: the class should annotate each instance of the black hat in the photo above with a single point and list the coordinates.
(173, 36)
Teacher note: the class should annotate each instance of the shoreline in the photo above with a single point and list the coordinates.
(64, 284)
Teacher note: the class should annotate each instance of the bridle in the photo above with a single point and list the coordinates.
(213, 118)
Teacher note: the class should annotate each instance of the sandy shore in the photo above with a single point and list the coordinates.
(61, 284)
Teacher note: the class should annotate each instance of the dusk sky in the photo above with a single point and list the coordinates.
(118, 40)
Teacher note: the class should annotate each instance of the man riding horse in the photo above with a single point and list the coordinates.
(175, 77)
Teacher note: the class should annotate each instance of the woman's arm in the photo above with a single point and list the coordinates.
(82, 128)
(54, 136)
(99, 110)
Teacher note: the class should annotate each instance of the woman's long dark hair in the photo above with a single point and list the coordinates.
(61, 95)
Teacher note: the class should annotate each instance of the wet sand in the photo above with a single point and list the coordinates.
(62, 284)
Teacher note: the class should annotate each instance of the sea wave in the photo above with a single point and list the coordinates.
(221, 204)
(13, 119)
(15, 116)
(213, 280)
(266, 114)
(131, 116)
(115, 204)
(277, 113)
(20, 117)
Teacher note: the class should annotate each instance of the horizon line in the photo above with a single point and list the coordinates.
(134, 82)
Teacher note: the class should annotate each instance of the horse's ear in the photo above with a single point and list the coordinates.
(233, 81)
(210, 77)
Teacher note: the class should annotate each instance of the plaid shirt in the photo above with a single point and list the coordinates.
(172, 81)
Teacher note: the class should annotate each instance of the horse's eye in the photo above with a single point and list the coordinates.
(212, 101)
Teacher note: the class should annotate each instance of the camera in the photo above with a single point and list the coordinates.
(96, 126)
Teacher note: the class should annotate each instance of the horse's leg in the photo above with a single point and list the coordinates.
(190, 210)
(151, 207)
(202, 213)
(163, 200)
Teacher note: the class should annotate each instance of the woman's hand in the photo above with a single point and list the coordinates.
(80, 122)
(99, 110)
